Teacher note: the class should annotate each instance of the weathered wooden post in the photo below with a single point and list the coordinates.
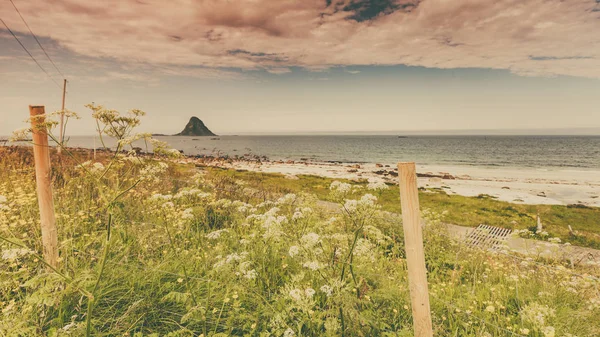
(41, 155)
(415, 256)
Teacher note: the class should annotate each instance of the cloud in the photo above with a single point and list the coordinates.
(211, 37)
(279, 71)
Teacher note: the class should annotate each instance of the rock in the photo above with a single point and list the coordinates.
(352, 170)
(541, 194)
(380, 172)
(289, 162)
(195, 127)
(505, 188)
(393, 174)
(378, 165)
(579, 205)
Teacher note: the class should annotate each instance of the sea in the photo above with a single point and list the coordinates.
(558, 152)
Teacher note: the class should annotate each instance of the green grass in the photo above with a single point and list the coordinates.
(459, 210)
(229, 253)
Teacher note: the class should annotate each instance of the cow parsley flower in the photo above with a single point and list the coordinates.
(310, 292)
(377, 186)
(287, 199)
(296, 294)
(549, 331)
(216, 234)
(310, 240)
(312, 265)
(555, 240)
(340, 187)
(327, 290)
(537, 314)
(294, 250)
(250, 274)
(187, 214)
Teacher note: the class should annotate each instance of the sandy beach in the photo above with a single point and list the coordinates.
(516, 185)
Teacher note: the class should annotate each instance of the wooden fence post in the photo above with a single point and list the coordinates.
(415, 256)
(41, 155)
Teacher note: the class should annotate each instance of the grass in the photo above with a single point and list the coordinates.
(459, 210)
(224, 253)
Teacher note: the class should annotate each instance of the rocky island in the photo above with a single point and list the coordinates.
(195, 127)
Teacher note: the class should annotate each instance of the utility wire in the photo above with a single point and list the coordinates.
(28, 53)
(36, 39)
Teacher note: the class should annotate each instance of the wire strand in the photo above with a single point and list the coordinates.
(28, 53)
(36, 39)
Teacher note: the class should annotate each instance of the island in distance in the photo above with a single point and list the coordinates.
(195, 127)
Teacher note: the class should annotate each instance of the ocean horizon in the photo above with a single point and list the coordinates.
(542, 152)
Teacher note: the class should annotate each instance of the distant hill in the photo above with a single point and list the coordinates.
(195, 127)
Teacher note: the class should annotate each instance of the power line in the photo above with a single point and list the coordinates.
(28, 53)
(36, 39)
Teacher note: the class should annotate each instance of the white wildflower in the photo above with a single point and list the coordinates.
(536, 314)
(187, 214)
(312, 265)
(327, 290)
(287, 199)
(216, 234)
(377, 186)
(296, 294)
(549, 331)
(250, 274)
(351, 205)
(20, 135)
(310, 292)
(310, 240)
(555, 240)
(289, 333)
(340, 187)
(97, 168)
(294, 250)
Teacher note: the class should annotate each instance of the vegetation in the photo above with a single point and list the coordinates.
(456, 209)
(150, 247)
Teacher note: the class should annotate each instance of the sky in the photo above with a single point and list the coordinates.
(265, 66)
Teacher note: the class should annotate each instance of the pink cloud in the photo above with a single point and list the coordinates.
(528, 37)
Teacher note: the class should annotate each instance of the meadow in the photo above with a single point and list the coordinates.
(153, 247)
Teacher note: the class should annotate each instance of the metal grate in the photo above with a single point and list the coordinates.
(487, 237)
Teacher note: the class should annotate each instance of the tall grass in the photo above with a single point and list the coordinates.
(151, 247)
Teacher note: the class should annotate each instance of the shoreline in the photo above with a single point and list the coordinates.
(514, 185)
(533, 186)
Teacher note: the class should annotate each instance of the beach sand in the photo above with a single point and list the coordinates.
(516, 185)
